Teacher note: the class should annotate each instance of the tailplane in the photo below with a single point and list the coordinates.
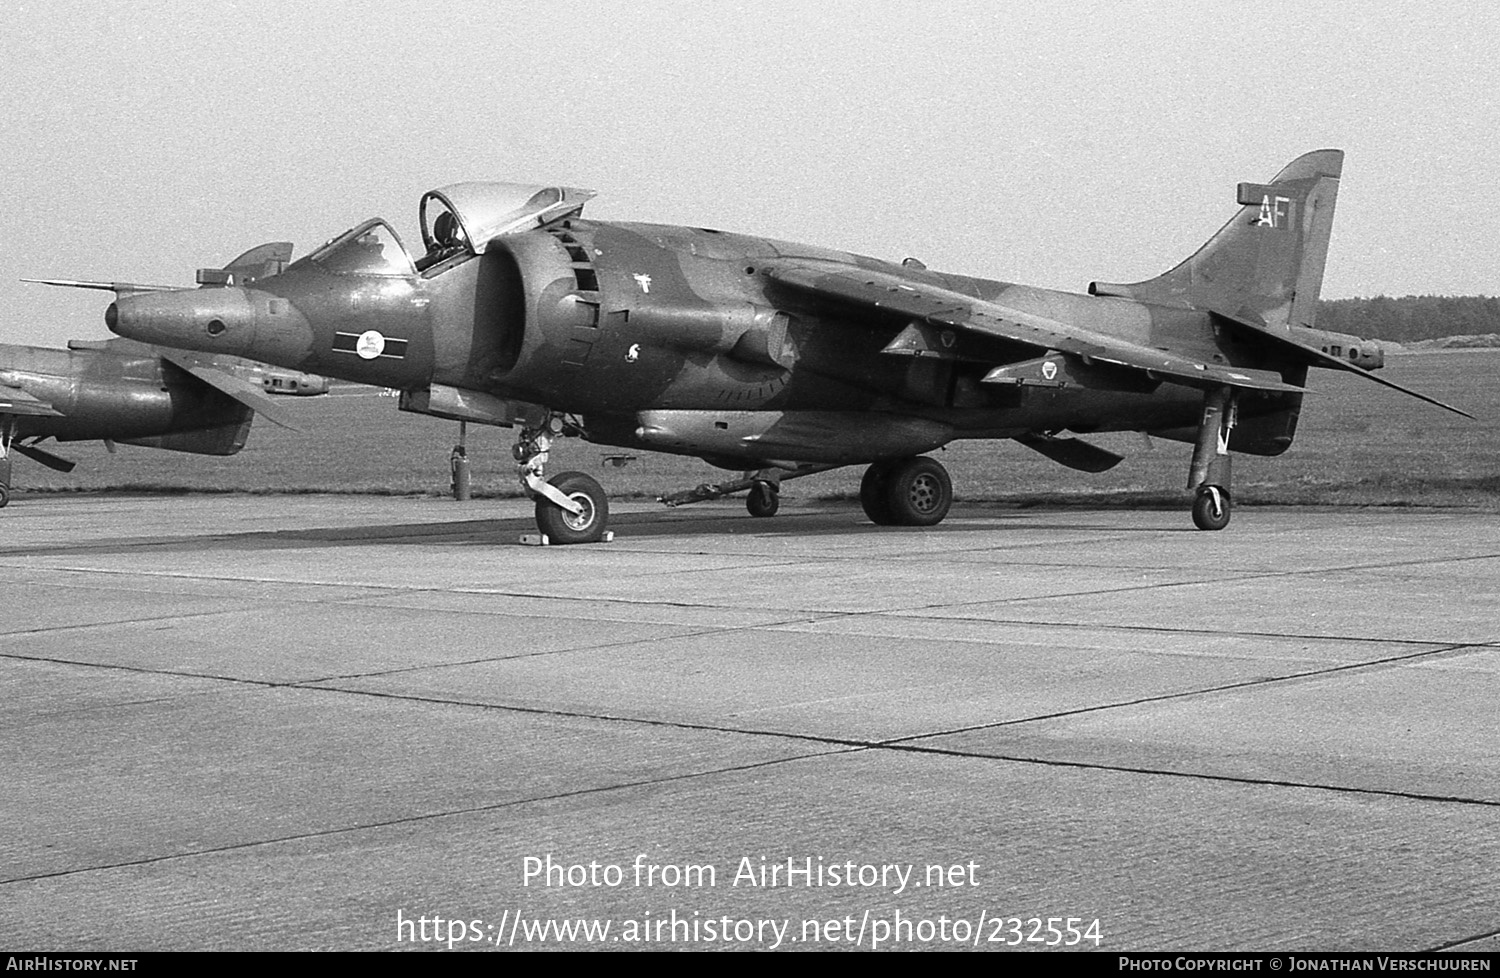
(1266, 264)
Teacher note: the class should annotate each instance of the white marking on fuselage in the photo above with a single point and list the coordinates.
(369, 345)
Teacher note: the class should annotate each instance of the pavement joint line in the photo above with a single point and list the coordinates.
(634, 602)
(1199, 776)
(118, 704)
(86, 585)
(807, 615)
(842, 746)
(1267, 575)
(280, 582)
(122, 667)
(856, 745)
(1187, 694)
(1093, 592)
(851, 743)
(904, 554)
(785, 625)
(1450, 945)
(308, 683)
(298, 582)
(413, 819)
(403, 589)
(629, 602)
(79, 626)
(423, 589)
(1237, 578)
(1106, 627)
(1235, 572)
(623, 644)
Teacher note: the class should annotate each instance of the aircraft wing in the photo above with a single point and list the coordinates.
(945, 307)
(1316, 357)
(15, 401)
(204, 368)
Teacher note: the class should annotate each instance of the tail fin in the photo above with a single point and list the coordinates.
(261, 261)
(1266, 264)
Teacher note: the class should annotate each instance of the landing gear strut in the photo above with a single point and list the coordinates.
(906, 492)
(1209, 476)
(458, 465)
(570, 507)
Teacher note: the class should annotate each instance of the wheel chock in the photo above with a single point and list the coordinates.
(541, 539)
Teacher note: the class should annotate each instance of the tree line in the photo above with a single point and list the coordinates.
(1409, 318)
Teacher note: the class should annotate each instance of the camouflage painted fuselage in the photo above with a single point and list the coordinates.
(747, 350)
(669, 338)
(133, 397)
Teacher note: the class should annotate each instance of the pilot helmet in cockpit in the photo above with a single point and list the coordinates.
(446, 231)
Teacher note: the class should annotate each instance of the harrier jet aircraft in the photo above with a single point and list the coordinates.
(120, 391)
(781, 359)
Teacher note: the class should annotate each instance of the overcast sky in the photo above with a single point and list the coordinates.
(1046, 143)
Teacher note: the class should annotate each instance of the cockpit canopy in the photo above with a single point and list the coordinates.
(457, 220)
(481, 211)
(371, 248)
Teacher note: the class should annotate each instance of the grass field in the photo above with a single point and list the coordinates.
(1357, 444)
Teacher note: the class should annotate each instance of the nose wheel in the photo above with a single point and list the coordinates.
(571, 507)
(587, 524)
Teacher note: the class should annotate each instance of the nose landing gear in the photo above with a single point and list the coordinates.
(570, 507)
(587, 524)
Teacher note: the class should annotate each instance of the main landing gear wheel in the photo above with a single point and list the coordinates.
(763, 500)
(906, 492)
(1211, 508)
(561, 526)
(872, 490)
(918, 492)
(4, 495)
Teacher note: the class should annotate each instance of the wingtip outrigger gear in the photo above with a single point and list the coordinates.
(1209, 475)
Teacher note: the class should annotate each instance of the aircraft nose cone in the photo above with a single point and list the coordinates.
(215, 320)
